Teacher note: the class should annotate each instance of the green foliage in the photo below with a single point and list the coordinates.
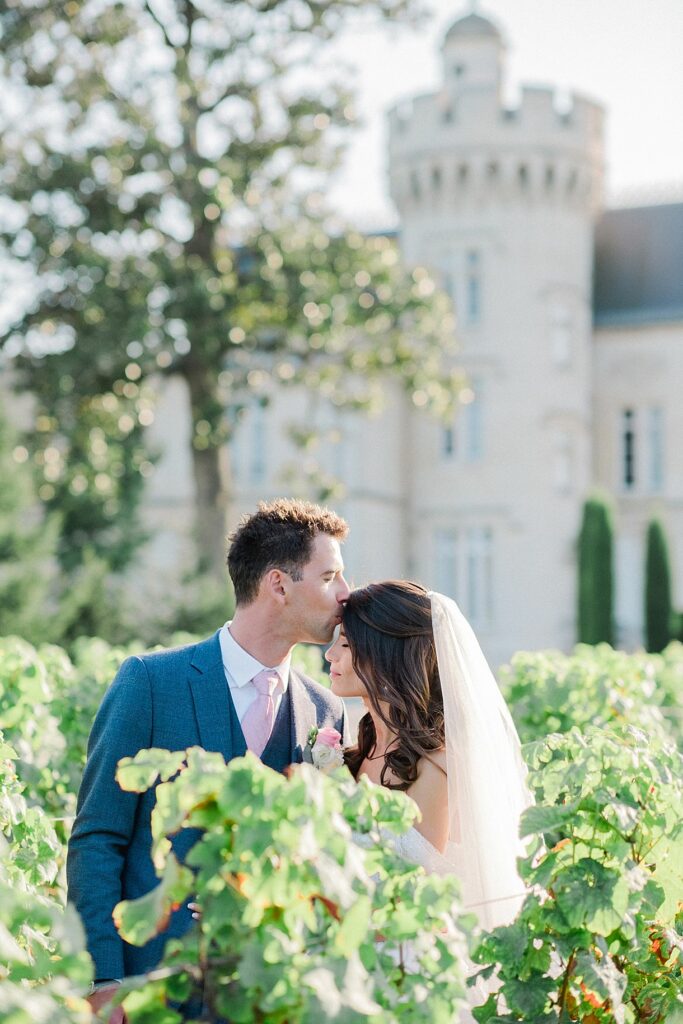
(307, 912)
(297, 879)
(28, 546)
(47, 706)
(37, 600)
(550, 692)
(42, 960)
(169, 206)
(596, 574)
(600, 936)
(658, 609)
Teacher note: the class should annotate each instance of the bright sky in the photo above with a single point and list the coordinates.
(627, 54)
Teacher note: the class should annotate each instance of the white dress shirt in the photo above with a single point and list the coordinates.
(240, 668)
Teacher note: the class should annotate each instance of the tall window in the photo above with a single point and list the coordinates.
(464, 570)
(563, 468)
(448, 442)
(446, 562)
(472, 286)
(479, 541)
(561, 335)
(655, 439)
(464, 439)
(628, 449)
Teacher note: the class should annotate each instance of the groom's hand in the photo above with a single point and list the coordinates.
(101, 997)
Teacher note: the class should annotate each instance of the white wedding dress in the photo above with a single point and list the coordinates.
(413, 847)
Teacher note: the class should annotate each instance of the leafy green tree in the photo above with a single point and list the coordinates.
(37, 601)
(164, 166)
(596, 574)
(28, 544)
(658, 609)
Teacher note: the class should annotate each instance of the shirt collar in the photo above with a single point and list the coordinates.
(241, 667)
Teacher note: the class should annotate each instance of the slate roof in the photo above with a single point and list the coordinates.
(638, 276)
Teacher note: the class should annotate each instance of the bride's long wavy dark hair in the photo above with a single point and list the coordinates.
(388, 628)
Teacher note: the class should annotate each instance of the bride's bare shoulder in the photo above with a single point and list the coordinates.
(435, 760)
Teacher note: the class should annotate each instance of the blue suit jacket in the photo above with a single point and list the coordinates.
(172, 699)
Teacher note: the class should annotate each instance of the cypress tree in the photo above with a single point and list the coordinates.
(596, 574)
(658, 610)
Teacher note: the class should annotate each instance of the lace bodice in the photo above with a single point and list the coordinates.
(413, 846)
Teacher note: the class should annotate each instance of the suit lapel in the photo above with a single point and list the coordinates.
(212, 702)
(304, 715)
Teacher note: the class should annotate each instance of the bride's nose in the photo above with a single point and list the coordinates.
(329, 652)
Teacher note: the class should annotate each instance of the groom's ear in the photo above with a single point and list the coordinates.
(275, 582)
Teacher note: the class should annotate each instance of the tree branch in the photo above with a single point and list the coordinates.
(242, 91)
(155, 17)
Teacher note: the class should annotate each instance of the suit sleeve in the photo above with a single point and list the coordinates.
(105, 816)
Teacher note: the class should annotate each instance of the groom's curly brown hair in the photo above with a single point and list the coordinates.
(279, 535)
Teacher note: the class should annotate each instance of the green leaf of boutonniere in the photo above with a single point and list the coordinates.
(310, 743)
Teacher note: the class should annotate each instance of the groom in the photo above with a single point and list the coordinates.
(231, 692)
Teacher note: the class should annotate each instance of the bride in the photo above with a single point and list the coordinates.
(438, 728)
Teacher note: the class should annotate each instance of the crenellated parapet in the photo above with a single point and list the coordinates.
(463, 144)
(454, 148)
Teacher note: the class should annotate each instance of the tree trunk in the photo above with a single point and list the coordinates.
(212, 486)
(211, 506)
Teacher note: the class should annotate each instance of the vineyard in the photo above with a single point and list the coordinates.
(306, 912)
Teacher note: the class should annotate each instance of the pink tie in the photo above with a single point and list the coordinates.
(257, 723)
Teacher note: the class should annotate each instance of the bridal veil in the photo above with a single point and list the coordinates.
(486, 775)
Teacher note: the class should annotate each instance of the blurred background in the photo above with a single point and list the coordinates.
(355, 253)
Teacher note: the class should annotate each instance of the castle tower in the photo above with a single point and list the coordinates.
(500, 203)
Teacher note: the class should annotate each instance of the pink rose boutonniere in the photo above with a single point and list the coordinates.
(324, 749)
